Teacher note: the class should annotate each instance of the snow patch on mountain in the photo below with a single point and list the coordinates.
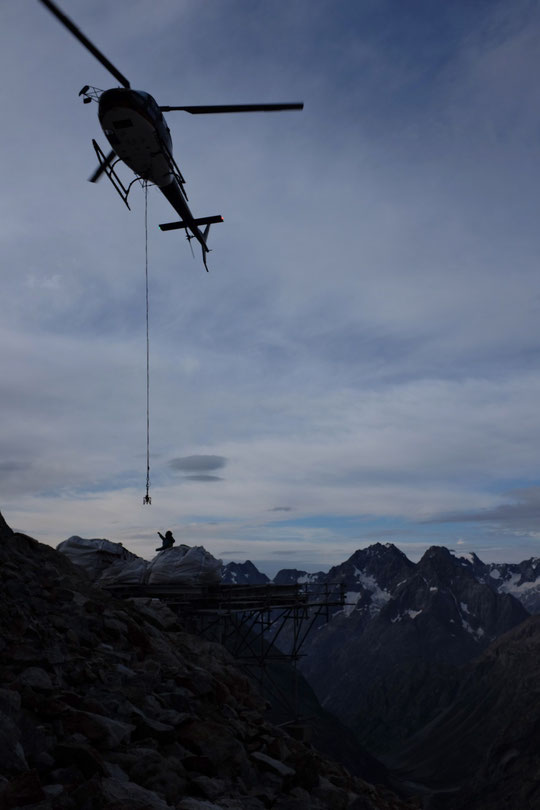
(477, 634)
(412, 614)
(512, 586)
(351, 601)
(379, 597)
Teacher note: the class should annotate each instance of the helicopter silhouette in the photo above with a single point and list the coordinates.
(135, 127)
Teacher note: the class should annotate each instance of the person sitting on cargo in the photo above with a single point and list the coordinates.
(168, 541)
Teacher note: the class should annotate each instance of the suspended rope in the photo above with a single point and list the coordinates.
(147, 498)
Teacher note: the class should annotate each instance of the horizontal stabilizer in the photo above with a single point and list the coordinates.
(173, 226)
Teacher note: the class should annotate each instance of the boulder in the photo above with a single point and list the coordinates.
(273, 764)
(198, 804)
(100, 730)
(37, 678)
(11, 751)
(80, 756)
(24, 789)
(117, 792)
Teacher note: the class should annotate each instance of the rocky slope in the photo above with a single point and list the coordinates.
(110, 704)
(286, 690)
(482, 751)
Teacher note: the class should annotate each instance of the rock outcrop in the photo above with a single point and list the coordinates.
(5, 531)
(111, 704)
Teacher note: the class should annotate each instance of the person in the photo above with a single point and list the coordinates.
(168, 541)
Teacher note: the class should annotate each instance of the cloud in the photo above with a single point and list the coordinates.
(8, 467)
(197, 463)
(203, 477)
(235, 553)
(286, 553)
(46, 283)
(522, 512)
(281, 509)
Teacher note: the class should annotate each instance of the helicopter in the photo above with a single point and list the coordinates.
(135, 127)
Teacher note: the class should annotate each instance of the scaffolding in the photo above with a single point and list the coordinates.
(262, 626)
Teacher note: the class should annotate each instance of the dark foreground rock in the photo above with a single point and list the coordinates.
(109, 704)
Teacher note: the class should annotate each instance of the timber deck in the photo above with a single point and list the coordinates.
(231, 598)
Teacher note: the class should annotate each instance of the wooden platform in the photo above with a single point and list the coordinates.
(220, 598)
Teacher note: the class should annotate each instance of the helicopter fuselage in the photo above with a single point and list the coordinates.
(137, 131)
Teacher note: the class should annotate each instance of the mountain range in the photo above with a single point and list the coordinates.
(389, 662)
(433, 667)
(372, 569)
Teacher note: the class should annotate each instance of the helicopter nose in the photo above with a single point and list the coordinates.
(107, 101)
(117, 97)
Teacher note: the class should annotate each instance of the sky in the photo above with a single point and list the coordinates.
(362, 362)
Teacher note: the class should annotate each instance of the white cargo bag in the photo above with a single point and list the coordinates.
(194, 566)
(124, 572)
(94, 555)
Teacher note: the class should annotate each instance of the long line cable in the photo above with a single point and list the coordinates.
(147, 498)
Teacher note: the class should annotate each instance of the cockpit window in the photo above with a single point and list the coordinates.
(149, 102)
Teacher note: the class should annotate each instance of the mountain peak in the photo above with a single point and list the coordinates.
(377, 550)
(245, 573)
(377, 567)
(439, 566)
(376, 554)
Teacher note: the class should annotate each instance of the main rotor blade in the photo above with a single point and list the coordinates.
(234, 108)
(101, 168)
(85, 41)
